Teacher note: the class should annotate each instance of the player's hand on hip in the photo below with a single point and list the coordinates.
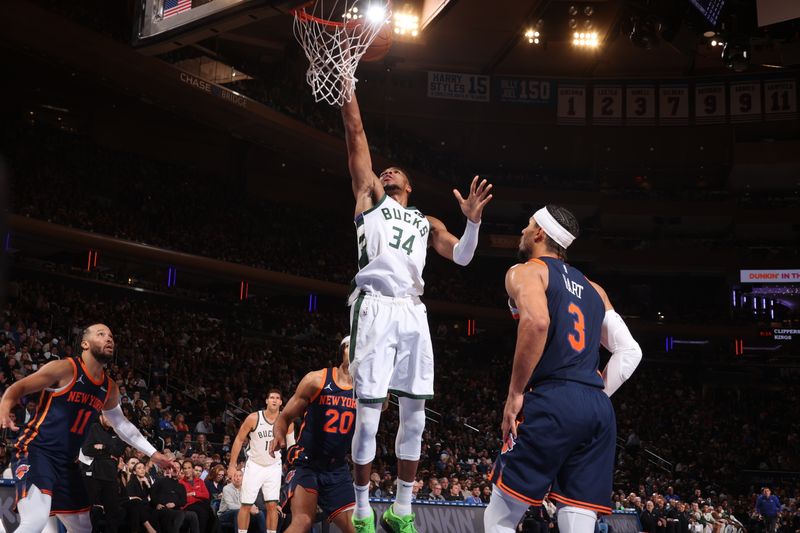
(510, 414)
(479, 195)
(278, 442)
(6, 422)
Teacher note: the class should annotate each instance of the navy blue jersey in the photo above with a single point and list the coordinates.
(63, 415)
(328, 424)
(572, 351)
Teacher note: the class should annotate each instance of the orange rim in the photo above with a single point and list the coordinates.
(302, 15)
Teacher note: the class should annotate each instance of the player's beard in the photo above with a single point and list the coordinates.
(101, 356)
(391, 188)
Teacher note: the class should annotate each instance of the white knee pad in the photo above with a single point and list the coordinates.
(368, 416)
(408, 443)
(76, 523)
(503, 513)
(576, 520)
(34, 511)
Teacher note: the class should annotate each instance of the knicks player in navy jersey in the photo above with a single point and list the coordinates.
(321, 475)
(72, 394)
(558, 424)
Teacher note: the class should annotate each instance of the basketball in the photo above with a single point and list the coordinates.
(381, 45)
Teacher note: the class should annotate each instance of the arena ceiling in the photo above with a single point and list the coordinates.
(476, 36)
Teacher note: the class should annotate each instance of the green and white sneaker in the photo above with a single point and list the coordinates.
(365, 525)
(391, 523)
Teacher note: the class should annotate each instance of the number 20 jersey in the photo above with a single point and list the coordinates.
(392, 247)
(328, 424)
(63, 415)
(572, 350)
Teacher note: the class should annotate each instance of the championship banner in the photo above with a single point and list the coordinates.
(571, 105)
(455, 86)
(780, 100)
(524, 90)
(710, 103)
(673, 105)
(640, 105)
(746, 101)
(770, 276)
(607, 105)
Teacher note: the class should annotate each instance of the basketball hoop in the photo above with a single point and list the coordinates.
(334, 35)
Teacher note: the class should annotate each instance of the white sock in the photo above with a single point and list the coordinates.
(402, 504)
(271, 531)
(363, 510)
(576, 520)
(242, 531)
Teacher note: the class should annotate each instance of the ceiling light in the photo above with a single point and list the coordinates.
(406, 23)
(708, 34)
(376, 14)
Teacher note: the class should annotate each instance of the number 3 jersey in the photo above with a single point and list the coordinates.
(328, 423)
(392, 247)
(63, 415)
(572, 350)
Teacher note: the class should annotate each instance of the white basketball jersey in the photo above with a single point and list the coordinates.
(392, 247)
(260, 437)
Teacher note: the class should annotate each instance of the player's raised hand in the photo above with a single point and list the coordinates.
(479, 195)
(278, 442)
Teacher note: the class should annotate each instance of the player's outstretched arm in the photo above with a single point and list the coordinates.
(129, 433)
(525, 286)
(460, 251)
(307, 391)
(247, 426)
(617, 339)
(55, 374)
(367, 188)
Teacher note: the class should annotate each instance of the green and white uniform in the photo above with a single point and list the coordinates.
(390, 342)
(261, 471)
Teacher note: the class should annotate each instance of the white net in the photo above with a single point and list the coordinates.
(334, 35)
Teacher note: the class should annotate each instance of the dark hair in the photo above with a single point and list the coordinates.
(403, 170)
(341, 349)
(276, 391)
(564, 217)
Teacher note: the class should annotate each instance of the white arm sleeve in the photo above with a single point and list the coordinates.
(127, 431)
(290, 440)
(465, 247)
(625, 352)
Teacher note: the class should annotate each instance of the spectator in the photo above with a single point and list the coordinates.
(138, 490)
(232, 501)
(197, 497)
(168, 497)
(475, 496)
(204, 427)
(767, 508)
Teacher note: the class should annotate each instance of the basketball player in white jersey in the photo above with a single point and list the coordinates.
(262, 470)
(390, 347)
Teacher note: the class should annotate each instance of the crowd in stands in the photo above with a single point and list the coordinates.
(187, 377)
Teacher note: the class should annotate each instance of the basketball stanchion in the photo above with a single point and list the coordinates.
(335, 35)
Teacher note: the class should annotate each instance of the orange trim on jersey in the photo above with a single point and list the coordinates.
(302, 427)
(577, 503)
(89, 375)
(599, 373)
(536, 260)
(516, 495)
(340, 510)
(23, 446)
(68, 386)
(321, 386)
(335, 374)
(45, 491)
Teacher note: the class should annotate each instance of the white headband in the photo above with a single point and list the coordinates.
(554, 230)
(346, 341)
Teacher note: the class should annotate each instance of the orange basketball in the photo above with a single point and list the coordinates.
(381, 45)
